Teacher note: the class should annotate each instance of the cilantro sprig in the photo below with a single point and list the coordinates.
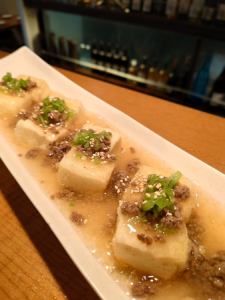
(90, 139)
(13, 84)
(159, 193)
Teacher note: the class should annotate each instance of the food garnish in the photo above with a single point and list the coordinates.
(53, 110)
(13, 84)
(95, 145)
(159, 193)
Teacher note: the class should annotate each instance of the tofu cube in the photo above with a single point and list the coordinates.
(10, 105)
(31, 134)
(160, 259)
(80, 173)
(39, 92)
(27, 132)
(83, 174)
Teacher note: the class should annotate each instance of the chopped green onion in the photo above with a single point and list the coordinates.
(159, 193)
(174, 179)
(53, 104)
(13, 84)
(88, 138)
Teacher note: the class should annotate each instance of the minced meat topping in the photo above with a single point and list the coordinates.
(181, 192)
(147, 285)
(133, 166)
(15, 86)
(51, 112)
(158, 209)
(119, 181)
(130, 208)
(93, 145)
(146, 239)
(78, 218)
(59, 148)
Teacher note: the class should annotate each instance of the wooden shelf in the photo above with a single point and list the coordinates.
(198, 29)
(170, 93)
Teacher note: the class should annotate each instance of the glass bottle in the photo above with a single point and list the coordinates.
(218, 91)
(171, 8)
(220, 15)
(196, 9)
(184, 7)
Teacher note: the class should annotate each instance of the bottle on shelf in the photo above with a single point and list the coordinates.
(62, 46)
(72, 48)
(183, 8)
(158, 7)
(171, 8)
(143, 68)
(209, 10)
(152, 73)
(85, 52)
(196, 9)
(136, 5)
(202, 77)
(220, 14)
(218, 91)
(101, 54)
(126, 5)
(132, 70)
(163, 72)
(94, 52)
(181, 72)
(116, 58)
(52, 48)
(147, 6)
(124, 61)
(109, 55)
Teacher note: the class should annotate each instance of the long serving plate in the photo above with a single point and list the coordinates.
(24, 61)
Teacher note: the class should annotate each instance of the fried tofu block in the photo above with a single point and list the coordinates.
(30, 133)
(81, 173)
(11, 104)
(27, 132)
(162, 259)
(37, 93)
(186, 205)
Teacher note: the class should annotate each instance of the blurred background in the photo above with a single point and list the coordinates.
(173, 49)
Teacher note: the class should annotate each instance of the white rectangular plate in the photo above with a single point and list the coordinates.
(210, 180)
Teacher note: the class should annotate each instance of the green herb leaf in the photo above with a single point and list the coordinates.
(88, 138)
(53, 104)
(159, 193)
(174, 179)
(13, 84)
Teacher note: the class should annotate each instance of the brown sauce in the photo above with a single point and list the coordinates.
(99, 213)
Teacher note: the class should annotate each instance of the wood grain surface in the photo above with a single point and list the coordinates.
(33, 265)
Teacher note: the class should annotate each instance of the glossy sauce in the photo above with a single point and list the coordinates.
(99, 208)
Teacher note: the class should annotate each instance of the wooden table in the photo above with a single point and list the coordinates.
(33, 265)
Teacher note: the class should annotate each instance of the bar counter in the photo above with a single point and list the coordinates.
(33, 263)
